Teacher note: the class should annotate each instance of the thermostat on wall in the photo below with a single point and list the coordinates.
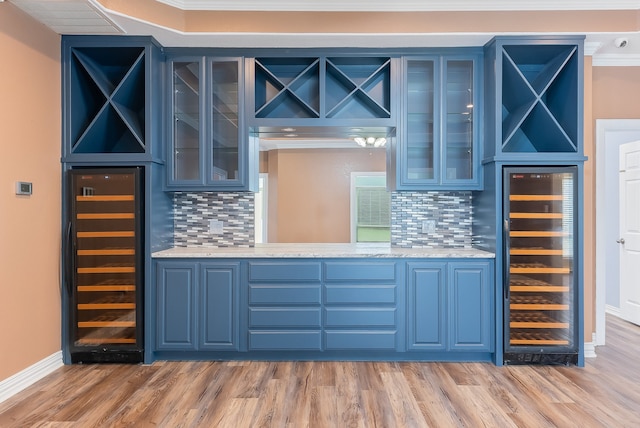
(23, 188)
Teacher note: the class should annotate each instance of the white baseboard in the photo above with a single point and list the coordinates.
(590, 347)
(612, 310)
(27, 377)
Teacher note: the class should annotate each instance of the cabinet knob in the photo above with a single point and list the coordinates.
(620, 241)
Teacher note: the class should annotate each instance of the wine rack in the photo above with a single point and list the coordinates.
(537, 82)
(106, 232)
(540, 259)
(108, 96)
(323, 88)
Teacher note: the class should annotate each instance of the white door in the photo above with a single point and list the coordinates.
(629, 239)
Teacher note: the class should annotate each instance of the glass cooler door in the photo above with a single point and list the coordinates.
(540, 308)
(105, 232)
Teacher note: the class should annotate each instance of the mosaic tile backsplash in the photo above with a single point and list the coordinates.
(194, 211)
(451, 212)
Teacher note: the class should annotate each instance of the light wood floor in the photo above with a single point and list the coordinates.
(606, 393)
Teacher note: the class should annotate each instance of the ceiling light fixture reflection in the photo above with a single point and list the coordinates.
(370, 141)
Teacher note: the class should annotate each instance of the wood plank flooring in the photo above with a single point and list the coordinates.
(605, 393)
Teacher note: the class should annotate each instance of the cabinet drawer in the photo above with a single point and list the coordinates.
(360, 340)
(284, 317)
(364, 294)
(285, 271)
(284, 294)
(360, 317)
(360, 271)
(285, 340)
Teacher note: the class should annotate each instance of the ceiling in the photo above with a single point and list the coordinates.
(91, 17)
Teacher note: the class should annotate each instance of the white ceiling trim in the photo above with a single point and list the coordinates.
(613, 60)
(70, 16)
(591, 47)
(401, 5)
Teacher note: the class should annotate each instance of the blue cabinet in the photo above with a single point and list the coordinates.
(351, 90)
(218, 311)
(426, 312)
(323, 306)
(438, 137)
(449, 306)
(534, 108)
(284, 305)
(197, 306)
(361, 305)
(111, 99)
(176, 309)
(209, 146)
(470, 296)
(352, 308)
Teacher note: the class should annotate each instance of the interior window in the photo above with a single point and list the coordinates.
(370, 208)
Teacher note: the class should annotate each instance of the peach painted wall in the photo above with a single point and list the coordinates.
(30, 132)
(312, 187)
(615, 93)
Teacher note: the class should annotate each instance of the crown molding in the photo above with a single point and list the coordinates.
(616, 60)
(401, 5)
(590, 48)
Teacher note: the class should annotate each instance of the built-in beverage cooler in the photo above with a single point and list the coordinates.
(540, 281)
(103, 275)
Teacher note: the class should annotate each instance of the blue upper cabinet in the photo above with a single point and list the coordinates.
(437, 143)
(351, 91)
(534, 98)
(112, 93)
(209, 148)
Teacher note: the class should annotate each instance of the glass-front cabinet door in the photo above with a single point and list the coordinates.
(206, 148)
(421, 126)
(224, 141)
(437, 145)
(187, 131)
(458, 122)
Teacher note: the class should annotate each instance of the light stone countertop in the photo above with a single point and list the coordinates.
(320, 250)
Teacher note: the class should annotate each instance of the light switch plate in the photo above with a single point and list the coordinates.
(216, 227)
(428, 226)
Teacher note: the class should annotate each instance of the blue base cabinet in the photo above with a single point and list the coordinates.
(197, 306)
(450, 306)
(361, 305)
(284, 306)
(426, 306)
(470, 306)
(175, 326)
(325, 309)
